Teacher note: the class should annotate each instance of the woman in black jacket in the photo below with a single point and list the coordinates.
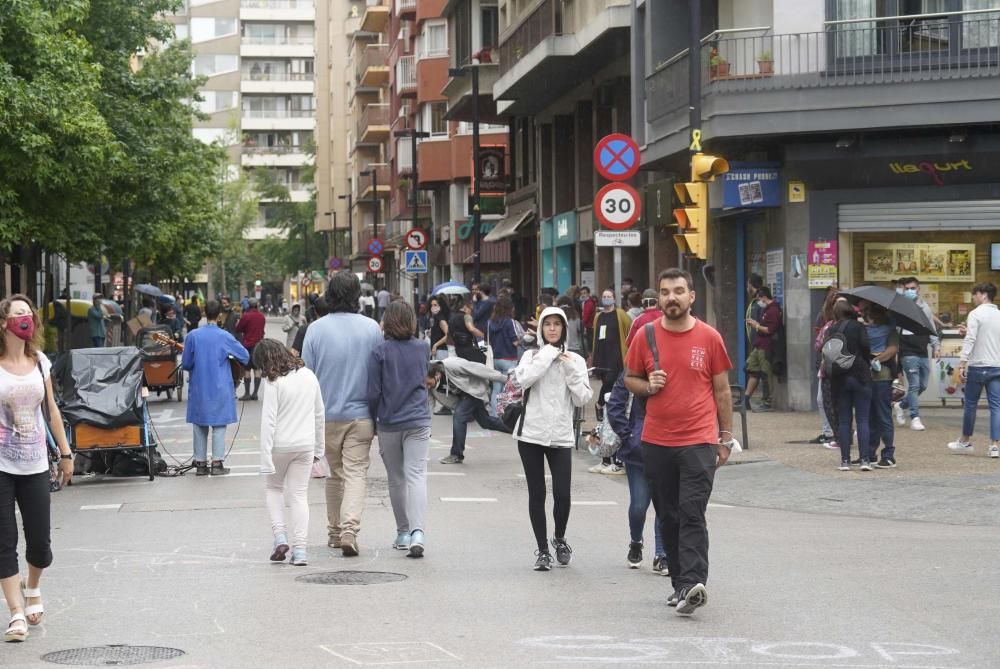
(852, 388)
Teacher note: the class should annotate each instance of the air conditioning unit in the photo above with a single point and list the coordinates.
(404, 111)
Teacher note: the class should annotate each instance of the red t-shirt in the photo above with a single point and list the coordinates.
(251, 325)
(683, 413)
(647, 316)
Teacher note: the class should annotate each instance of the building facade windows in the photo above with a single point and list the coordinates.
(211, 64)
(432, 119)
(433, 40)
(208, 28)
(216, 101)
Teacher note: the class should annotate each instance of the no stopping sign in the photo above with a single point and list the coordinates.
(617, 206)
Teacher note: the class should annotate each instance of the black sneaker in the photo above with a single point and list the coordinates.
(856, 462)
(690, 598)
(660, 565)
(635, 554)
(822, 439)
(563, 552)
(886, 463)
(544, 561)
(674, 598)
(218, 469)
(599, 413)
(200, 468)
(443, 411)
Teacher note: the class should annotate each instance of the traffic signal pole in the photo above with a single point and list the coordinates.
(694, 126)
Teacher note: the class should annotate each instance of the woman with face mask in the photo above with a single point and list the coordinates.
(611, 326)
(439, 337)
(554, 381)
(24, 466)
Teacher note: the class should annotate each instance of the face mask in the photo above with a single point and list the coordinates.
(910, 293)
(608, 301)
(22, 327)
(435, 310)
(762, 303)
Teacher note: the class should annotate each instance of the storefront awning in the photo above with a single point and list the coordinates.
(509, 226)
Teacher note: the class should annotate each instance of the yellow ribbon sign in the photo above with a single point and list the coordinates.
(695, 140)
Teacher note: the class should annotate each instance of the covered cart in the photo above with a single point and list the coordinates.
(160, 368)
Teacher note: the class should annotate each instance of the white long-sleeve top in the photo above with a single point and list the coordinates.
(556, 386)
(981, 347)
(292, 417)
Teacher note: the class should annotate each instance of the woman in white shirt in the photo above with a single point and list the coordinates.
(292, 438)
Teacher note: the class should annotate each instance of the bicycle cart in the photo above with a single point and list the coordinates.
(160, 369)
(102, 401)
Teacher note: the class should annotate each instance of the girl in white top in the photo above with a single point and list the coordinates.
(554, 382)
(292, 438)
(24, 465)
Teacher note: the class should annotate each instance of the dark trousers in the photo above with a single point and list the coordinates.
(31, 493)
(880, 418)
(533, 459)
(469, 408)
(853, 398)
(681, 480)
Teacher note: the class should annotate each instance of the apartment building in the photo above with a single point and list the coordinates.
(259, 57)
(862, 142)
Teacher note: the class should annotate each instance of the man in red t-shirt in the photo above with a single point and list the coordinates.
(651, 312)
(687, 433)
(251, 330)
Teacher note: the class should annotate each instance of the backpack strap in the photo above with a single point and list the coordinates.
(524, 411)
(650, 332)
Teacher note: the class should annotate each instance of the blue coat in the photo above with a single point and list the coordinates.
(211, 397)
(628, 428)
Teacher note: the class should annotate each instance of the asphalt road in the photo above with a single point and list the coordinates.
(182, 563)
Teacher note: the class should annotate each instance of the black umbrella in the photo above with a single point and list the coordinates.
(904, 311)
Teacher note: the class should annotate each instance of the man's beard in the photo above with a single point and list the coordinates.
(679, 314)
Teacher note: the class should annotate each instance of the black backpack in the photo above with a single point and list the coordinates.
(837, 358)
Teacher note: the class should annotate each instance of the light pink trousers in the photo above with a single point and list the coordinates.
(291, 473)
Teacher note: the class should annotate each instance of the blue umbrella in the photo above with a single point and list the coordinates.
(450, 288)
(148, 289)
(166, 299)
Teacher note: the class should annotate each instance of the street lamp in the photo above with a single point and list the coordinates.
(350, 219)
(373, 173)
(334, 215)
(473, 68)
(414, 135)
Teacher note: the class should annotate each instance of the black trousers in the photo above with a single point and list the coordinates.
(533, 458)
(32, 496)
(680, 480)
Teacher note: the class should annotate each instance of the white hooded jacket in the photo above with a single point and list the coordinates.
(556, 387)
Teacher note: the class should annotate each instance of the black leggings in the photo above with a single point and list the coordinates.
(561, 464)
(32, 495)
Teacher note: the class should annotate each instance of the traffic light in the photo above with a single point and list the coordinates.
(691, 217)
(705, 167)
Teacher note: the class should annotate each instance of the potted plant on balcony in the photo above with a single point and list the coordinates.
(718, 66)
(765, 63)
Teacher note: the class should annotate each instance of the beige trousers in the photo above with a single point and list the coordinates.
(348, 451)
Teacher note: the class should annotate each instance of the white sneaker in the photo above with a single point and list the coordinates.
(596, 469)
(897, 409)
(832, 445)
(959, 446)
(613, 470)
(994, 451)
(915, 424)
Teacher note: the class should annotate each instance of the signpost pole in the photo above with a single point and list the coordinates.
(618, 271)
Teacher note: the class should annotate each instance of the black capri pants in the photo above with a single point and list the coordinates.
(31, 492)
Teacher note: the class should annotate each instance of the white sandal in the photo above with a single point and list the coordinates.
(13, 634)
(34, 609)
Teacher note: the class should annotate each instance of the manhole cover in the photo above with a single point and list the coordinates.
(112, 656)
(351, 577)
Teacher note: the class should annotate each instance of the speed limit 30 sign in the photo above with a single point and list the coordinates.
(617, 206)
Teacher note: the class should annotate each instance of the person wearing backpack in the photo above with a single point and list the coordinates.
(554, 382)
(846, 357)
(626, 414)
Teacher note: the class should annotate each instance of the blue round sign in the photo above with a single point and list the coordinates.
(616, 157)
(335, 263)
(375, 247)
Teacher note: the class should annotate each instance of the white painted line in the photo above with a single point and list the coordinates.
(237, 474)
(257, 467)
(100, 507)
(593, 503)
(446, 473)
(713, 505)
(469, 499)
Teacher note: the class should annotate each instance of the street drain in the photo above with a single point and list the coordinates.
(112, 656)
(351, 577)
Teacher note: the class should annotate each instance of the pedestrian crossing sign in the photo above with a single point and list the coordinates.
(415, 261)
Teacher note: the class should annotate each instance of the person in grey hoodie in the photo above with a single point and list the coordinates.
(554, 381)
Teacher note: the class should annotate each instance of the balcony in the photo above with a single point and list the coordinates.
(278, 119)
(280, 46)
(373, 125)
(458, 90)
(406, 76)
(258, 81)
(847, 77)
(373, 66)
(375, 17)
(406, 8)
(274, 156)
(401, 207)
(363, 189)
(277, 10)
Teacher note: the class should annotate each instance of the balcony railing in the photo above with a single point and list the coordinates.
(373, 115)
(373, 55)
(278, 40)
(406, 74)
(405, 7)
(866, 54)
(546, 20)
(276, 4)
(364, 181)
(278, 113)
(282, 150)
(250, 75)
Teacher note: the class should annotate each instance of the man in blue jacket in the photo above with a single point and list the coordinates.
(211, 402)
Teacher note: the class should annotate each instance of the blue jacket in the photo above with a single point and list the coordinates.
(397, 394)
(338, 348)
(628, 428)
(211, 400)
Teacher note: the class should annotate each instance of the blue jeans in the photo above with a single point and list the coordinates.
(98, 342)
(882, 428)
(978, 378)
(502, 366)
(917, 371)
(469, 408)
(854, 397)
(201, 442)
(639, 497)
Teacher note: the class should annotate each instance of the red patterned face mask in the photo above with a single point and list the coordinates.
(22, 327)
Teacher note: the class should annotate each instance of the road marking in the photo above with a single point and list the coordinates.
(469, 499)
(257, 467)
(237, 474)
(593, 503)
(390, 652)
(446, 473)
(713, 505)
(100, 507)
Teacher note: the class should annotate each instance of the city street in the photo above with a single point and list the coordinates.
(809, 568)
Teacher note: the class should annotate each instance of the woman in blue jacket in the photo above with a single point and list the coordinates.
(627, 424)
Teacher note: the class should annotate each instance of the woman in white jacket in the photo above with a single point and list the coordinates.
(554, 381)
